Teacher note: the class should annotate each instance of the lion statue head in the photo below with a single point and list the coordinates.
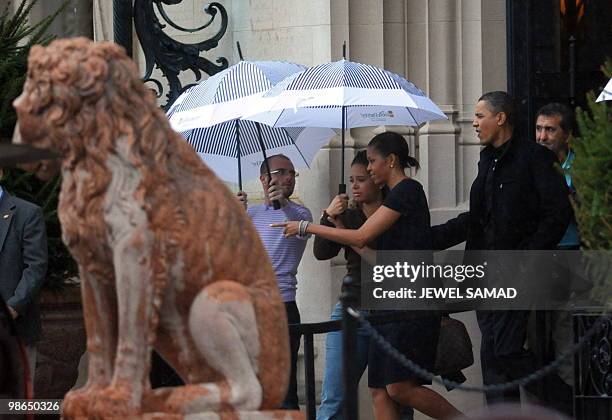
(80, 97)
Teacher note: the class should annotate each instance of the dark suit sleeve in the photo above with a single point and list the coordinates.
(34, 251)
(450, 233)
(554, 208)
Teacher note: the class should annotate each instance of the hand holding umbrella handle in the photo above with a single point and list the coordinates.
(275, 203)
(275, 195)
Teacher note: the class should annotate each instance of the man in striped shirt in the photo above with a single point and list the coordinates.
(285, 253)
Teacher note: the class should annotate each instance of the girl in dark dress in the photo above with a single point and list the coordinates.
(367, 198)
(401, 223)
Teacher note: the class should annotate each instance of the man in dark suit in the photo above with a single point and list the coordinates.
(518, 201)
(23, 265)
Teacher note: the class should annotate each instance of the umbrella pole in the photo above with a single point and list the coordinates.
(342, 186)
(275, 203)
(238, 153)
(239, 51)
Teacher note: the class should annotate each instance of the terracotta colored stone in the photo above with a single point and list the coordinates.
(167, 257)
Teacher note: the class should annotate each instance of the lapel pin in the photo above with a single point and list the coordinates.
(5, 216)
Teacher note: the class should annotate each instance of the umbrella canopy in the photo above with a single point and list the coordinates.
(606, 94)
(221, 145)
(369, 96)
(207, 115)
(226, 95)
(344, 94)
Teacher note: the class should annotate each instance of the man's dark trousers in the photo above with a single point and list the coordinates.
(502, 355)
(293, 317)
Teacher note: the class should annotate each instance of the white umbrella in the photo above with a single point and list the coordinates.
(344, 94)
(606, 94)
(226, 95)
(208, 117)
(223, 145)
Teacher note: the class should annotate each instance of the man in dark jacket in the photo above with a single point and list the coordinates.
(518, 201)
(23, 265)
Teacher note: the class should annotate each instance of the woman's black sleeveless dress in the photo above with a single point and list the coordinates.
(416, 338)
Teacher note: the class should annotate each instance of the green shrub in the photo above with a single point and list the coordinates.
(592, 176)
(16, 38)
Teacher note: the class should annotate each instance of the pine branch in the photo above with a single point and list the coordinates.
(17, 36)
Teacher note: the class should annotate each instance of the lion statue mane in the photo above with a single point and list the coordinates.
(167, 257)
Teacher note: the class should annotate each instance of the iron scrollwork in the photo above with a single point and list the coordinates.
(601, 360)
(170, 56)
(595, 359)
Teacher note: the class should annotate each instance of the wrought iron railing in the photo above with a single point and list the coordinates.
(593, 368)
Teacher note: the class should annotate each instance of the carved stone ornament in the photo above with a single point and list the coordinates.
(168, 258)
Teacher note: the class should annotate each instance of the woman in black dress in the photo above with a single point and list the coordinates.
(401, 223)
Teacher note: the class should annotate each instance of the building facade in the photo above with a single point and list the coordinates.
(454, 50)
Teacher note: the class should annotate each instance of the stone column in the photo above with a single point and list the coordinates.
(75, 20)
(308, 33)
(420, 40)
(454, 51)
(102, 20)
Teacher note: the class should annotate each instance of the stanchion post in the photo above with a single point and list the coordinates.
(349, 344)
(309, 375)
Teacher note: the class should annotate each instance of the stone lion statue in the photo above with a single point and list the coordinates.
(167, 257)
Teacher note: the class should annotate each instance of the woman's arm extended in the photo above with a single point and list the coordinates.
(377, 223)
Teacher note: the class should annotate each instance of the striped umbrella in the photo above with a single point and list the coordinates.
(208, 116)
(344, 94)
(606, 93)
(228, 94)
(248, 143)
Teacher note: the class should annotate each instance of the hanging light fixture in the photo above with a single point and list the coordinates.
(577, 6)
